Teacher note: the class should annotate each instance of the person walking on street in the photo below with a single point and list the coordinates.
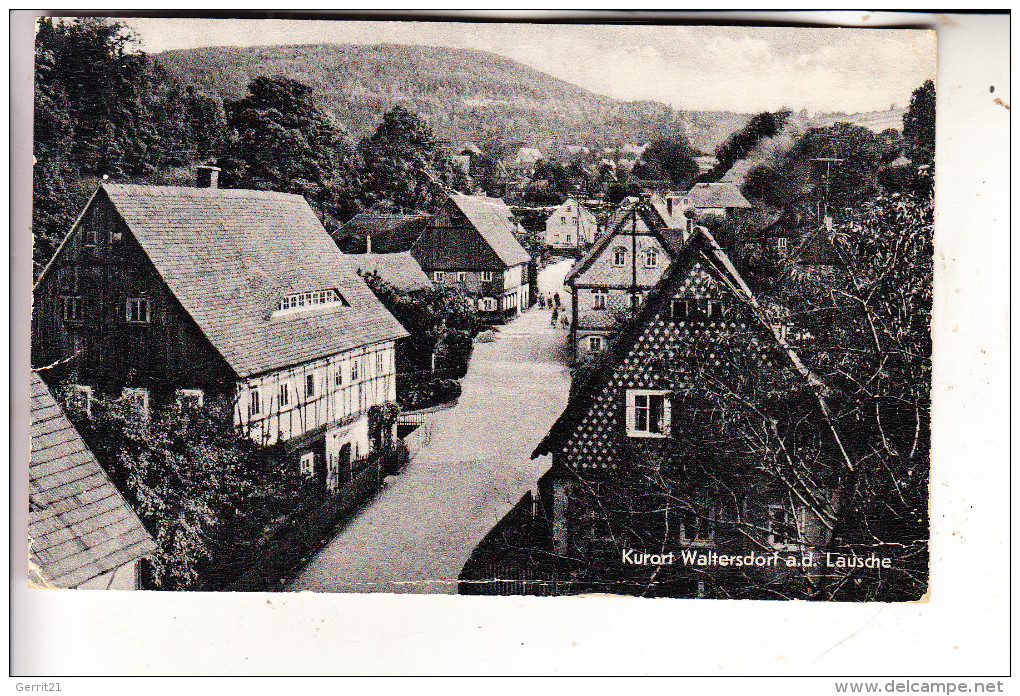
(555, 314)
(556, 299)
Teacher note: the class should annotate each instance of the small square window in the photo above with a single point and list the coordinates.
(138, 401)
(190, 398)
(137, 310)
(308, 464)
(594, 343)
(461, 276)
(439, 276)
(619, 256)
(600, 299)
(72, 308)
(486, 276)
(784, 528)
(648, 413)
(80, 399)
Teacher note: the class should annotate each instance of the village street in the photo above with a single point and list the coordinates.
(420, 530)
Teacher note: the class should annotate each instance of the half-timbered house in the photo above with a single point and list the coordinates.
(623, 449)
(471, 243)
(222, 297)
(615, 275)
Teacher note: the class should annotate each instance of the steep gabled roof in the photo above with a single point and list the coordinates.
(79, 524)
(618, 224)
(399, 270)
(390, 233)
(717, 195)
(229, 256)
(701, 246)
(495, 223)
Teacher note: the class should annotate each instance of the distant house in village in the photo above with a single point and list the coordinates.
(82, 532)
(471, 243)
(618, 272)
(232, 298)
(705, 163)
(399, 269)
(571, 226)
(720, 198)
(524, 163)
(383, 233)
(633, 405)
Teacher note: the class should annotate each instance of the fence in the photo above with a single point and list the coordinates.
(285, 550)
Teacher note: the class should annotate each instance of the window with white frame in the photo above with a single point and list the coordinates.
(568, 239)
(137, 400)
(254, 402)
(461, 276)
(594, 343)
(90, 236)
(137, 310)
(354, 370)
(648, 413)
(190, 398)
(284, 394)
(781, 243)
(309, 386)
(620, 256)
(489, 304)
(697, 526)
(307, 464)
(600, 299)
(314, 298)
(651, 258)
(72, 308)
(563, 219)
(785, 527)
(379, 363)
(80, 398)
(486, 276)
(438, 276)
(573, 221)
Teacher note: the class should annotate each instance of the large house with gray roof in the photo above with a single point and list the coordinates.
(471, 243)
(229, 299)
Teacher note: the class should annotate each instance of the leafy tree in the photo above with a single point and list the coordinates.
(739, 144)
(102, 109)
(668, 158)
(405, 169)
(283, 142)
(429, 315)
(800, 177)
(919, 125)
(201, 490)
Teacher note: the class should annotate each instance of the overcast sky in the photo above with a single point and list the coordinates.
(726, 68)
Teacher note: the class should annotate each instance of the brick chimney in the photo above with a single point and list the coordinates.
(207, 176)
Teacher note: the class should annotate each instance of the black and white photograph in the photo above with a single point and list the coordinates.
(492, 308)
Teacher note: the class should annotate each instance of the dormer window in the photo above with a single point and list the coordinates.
(309, 300)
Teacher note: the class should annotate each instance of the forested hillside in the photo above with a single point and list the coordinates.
(463, 94)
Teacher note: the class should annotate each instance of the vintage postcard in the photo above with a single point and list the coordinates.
(486, 308)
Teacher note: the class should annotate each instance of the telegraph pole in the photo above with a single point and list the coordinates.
(829, 161)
